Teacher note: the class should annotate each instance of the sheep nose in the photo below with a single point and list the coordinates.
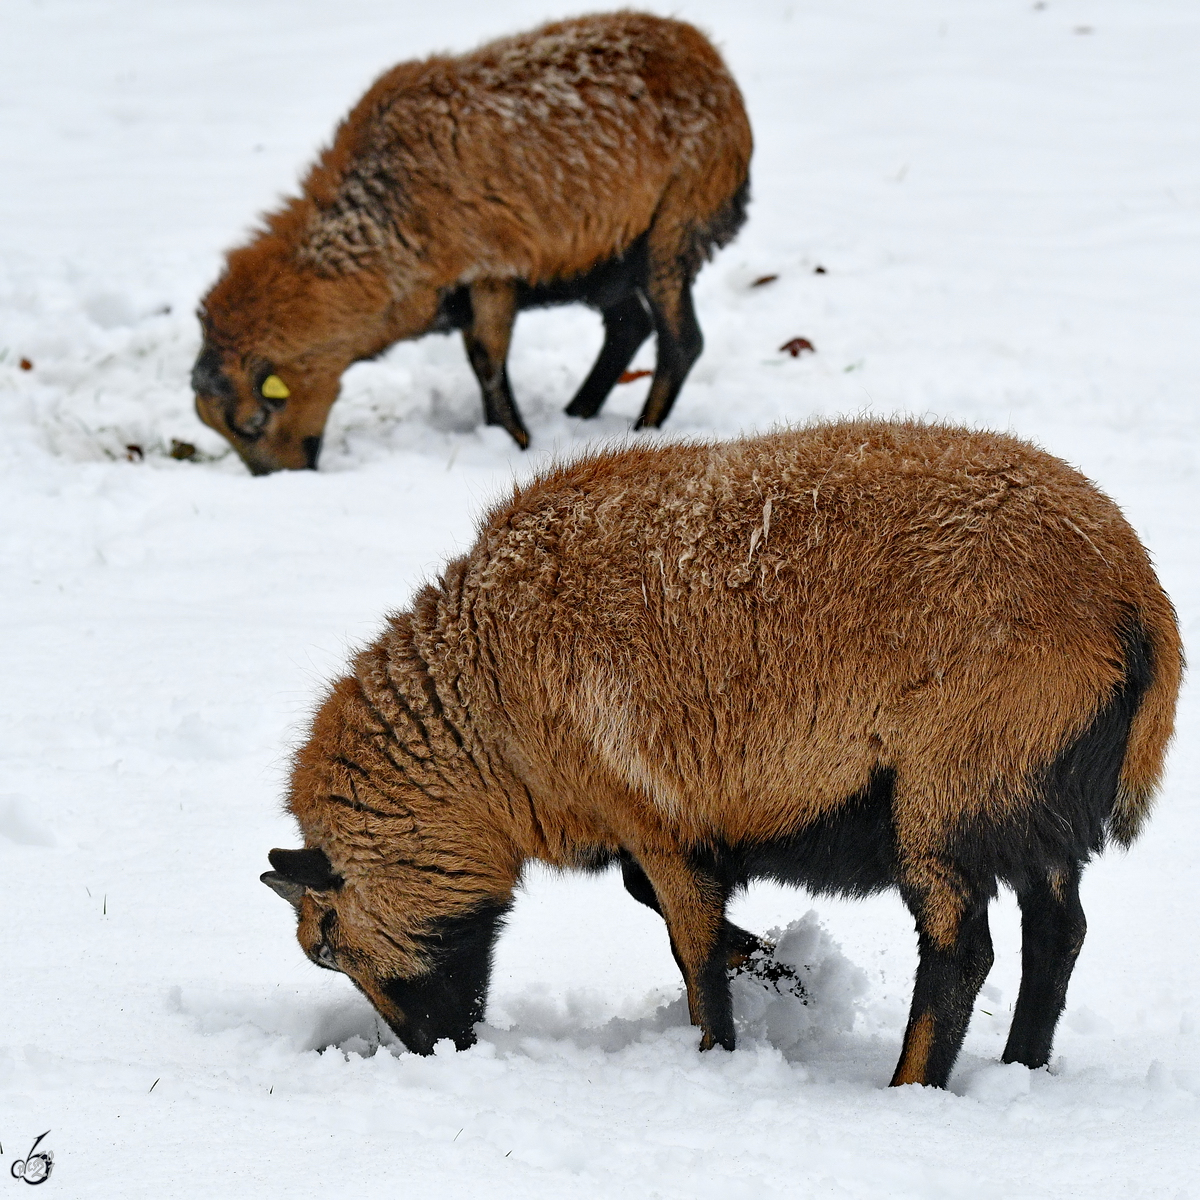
(312, 451)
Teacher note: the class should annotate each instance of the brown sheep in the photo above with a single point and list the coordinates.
(600, 159)
(849, 657)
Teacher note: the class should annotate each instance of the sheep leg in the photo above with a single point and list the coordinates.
(1052, 932)
(487, 338)
(626, 326)
(693, 906)
(955, 957)
(679, 342)
(740, 943)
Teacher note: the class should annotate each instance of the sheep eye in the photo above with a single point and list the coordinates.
(273, 388)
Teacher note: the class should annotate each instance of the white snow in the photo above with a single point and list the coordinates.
(1006, 198)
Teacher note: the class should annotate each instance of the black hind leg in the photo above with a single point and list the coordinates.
(679, 344)
(740, 943)
(955, 957)
(627, 325)
(1052, 932)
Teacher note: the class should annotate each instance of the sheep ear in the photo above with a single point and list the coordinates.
(273, 388)
(309, 868)
(291, 892)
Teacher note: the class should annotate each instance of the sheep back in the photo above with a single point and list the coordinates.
(728, 640)
(534, 157)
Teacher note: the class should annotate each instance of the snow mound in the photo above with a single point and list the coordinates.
(818, 995)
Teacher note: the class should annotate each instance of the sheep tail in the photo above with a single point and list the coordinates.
(1153, 670)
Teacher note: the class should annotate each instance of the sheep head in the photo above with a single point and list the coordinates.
(426, 974)
(278, 333)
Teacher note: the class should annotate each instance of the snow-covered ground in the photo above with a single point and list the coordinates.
(1005, 197)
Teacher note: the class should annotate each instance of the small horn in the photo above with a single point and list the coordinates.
(291, 892)
(310, 868)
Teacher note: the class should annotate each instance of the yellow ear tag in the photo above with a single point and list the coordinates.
(273, 388)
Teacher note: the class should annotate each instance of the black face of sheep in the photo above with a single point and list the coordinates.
(449, 1000)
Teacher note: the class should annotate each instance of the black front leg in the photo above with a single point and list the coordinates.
(493, 308)
(739, 944)
(692, 903)
(499, 407)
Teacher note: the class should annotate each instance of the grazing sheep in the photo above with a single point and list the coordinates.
(849, 657)
(600, 159)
